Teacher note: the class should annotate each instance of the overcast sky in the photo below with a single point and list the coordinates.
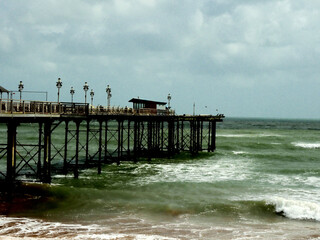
(246, 58)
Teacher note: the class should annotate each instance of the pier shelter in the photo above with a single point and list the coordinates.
(3, 90)
(149, 106)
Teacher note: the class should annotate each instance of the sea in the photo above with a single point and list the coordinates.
(262, 182)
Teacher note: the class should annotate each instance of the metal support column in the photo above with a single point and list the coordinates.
(76, 170)
(39, 151)
(191, 147)
(182, 136)
(135, 140)
(162, 136)
(198, 136)
(213, 135)
(11, 151)
(201, 135)
(209, 136)
(149, 151)
(170, 137)
(65, 159)
(120, 129)
(177, 137)
(87, 143)
(100, 147)
(106, 142)
(128, 147)
(47, 153)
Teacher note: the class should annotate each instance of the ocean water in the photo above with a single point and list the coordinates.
(262, 182)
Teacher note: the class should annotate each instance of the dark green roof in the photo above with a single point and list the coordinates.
(2, 89)
(138, 100)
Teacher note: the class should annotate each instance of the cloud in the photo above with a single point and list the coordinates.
(192, 48)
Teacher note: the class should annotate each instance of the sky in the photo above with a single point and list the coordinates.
(248, 58)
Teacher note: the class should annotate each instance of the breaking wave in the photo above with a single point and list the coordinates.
(307, 145)
(296, 209)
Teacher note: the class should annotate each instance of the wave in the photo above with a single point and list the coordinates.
(296, 209)
(239, 152)
(307, 145)
(26, 228)
(248, 135)
(233, 135)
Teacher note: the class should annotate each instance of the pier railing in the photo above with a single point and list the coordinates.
(13, 106)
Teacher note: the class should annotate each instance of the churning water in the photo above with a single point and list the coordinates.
(263, 182)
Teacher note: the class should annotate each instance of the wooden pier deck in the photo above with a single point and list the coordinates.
(67, 137)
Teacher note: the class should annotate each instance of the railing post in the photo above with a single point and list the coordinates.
(11, 106)
(23, 107)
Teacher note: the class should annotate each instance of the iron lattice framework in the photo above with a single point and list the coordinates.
(39, 147)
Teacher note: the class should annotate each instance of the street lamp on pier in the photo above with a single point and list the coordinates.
(21, 86)
(59, 85)
(169, 99)
(85, 88)
(72, 93)
(91, 94)
(108, 90)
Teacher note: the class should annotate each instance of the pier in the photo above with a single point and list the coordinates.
(68, 137)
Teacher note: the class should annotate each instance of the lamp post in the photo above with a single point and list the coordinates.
(21, 86)
(169, 99)
(72, 93)
(108, 90)
(59, 85)
(85, 88)
(91, 94)
(194, 108)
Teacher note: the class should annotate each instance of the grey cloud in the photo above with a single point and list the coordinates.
(197, 50)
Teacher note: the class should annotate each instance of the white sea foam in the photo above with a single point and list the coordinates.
(296, 209)
(18, 228)
(25, 227)
(203, 171)
(239, 152)
(233, 135)
(121, 237)
(307, 145)
(248, 135)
